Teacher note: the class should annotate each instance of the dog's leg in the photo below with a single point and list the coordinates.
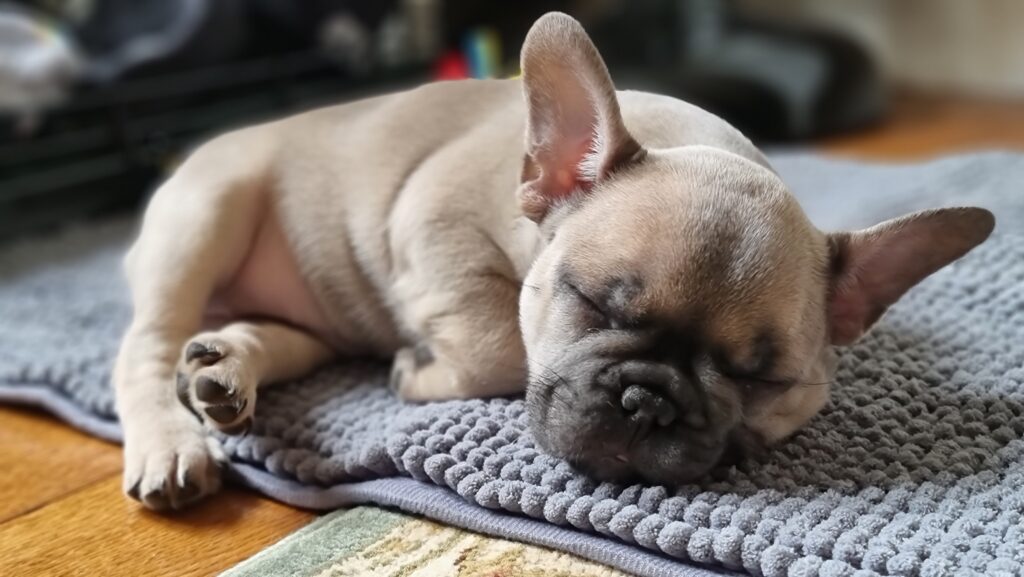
(220, 371)
(196, 233)
(471, 346)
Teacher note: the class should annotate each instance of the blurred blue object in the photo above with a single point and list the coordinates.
(482, 47)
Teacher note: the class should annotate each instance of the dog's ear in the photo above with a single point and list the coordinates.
(872, 268)
(575, 135)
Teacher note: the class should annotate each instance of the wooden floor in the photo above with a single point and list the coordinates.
(921, 126)
(61, 508)
(62, 512)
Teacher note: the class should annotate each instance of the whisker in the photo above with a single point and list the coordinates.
(815, 384)
(634, 436)
(552, 390)
(552, 372)
(557, 396)
(560, 378)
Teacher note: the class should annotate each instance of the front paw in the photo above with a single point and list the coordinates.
(216, 385)
(171, 462)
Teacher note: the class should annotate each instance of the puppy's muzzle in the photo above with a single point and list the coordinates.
(656, 395)
(648, 407)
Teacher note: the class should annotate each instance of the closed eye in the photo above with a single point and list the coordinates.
(765, 380)
(748, 378)
(588, 302)
(761, 383)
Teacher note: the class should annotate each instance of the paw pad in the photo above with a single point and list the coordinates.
(211, 391)
(223, 414)
(205, 354)
(215, 386)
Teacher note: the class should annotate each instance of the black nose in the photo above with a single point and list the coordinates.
(648, 406)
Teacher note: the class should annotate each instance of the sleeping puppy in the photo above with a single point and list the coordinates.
(630, 260)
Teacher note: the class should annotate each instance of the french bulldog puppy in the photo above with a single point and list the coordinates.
(630, 260)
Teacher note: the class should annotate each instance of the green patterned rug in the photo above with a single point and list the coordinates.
(381, 543)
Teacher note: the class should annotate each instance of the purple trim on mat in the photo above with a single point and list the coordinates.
(445, 506)
(405, 494)
(48, 400)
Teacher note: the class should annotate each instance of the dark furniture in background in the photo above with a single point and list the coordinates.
(130, 118)
(107, 147)
(227, 63)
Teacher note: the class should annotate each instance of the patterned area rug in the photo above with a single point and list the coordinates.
(380, 543)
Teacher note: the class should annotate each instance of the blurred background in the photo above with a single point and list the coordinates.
(100, 98)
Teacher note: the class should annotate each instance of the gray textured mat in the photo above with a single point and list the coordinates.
(916, 467)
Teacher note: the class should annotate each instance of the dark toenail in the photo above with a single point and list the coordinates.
(422, 355)
(182, 389)
(210, 391)
(396, 379)
(156, 497)
(134, 491)
(223, 414)
(239, 429)
(159, 490)
(188, 492)
(206, 355)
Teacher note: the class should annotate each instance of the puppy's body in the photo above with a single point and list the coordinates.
(365, 210)
(673, 292)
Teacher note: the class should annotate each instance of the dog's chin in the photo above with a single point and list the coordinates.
(656, 464)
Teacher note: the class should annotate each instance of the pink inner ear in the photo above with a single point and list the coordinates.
(554, 174)
(878, 265)
(861, 291)
(848, 310)
(574, 132)
(566, 175)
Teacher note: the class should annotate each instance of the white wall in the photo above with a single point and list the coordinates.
(968, 46)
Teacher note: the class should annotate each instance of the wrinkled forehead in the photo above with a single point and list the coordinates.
(685, 229)
(725, 255)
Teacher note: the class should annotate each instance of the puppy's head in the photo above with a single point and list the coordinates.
(683, 301)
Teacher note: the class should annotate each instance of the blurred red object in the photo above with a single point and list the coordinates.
(451, 66)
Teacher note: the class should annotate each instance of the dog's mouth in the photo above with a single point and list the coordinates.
(607, 442)
(662, 463)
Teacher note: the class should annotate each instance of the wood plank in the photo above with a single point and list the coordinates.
(42, 460)
(922, 125)
(97, 531)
